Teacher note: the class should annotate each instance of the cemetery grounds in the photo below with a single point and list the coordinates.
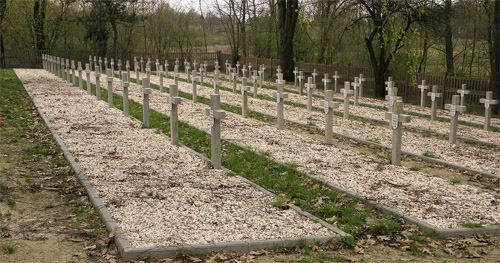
(46, 216)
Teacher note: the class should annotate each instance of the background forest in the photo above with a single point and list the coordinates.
(456, 37)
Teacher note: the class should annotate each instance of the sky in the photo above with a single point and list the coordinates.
(187, 4)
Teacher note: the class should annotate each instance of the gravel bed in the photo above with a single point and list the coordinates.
(160, 194)
(418, 122)
(460, 154)
(431, 199)
(473, 118)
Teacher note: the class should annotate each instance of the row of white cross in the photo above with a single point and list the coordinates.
(394, 115)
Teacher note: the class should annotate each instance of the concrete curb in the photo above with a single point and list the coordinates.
(129, 253)
(422, 225)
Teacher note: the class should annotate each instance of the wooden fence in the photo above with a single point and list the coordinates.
(405, 82)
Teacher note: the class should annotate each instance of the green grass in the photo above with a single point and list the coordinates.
(429, 154)
(456, 181)
(4, 228)
(415, 168)
(9, 249)
(282, 179)
(471, 225)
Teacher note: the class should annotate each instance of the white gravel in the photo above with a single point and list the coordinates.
(459, 154)
(432, 199)
(159, 194)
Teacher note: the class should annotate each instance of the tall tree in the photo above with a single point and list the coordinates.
(102, 13)
(389, 20)
(39, 13)
(288, 14)
(3, 9)
(448, 38)
(495, 53)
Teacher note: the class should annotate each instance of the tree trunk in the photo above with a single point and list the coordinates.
(448, 37)
(495, 54)
(3, 7)
(39, 8)
(115, 41)
(288, 11)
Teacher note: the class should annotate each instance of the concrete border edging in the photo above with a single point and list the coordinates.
(129, 253)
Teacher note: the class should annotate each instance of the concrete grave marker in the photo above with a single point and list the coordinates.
(347, 92)
(234, 76)
(255, 77)
(244, 71)
(120, 68)
(142, 65)
(146, 90)
(90, 62)
(127, 68)
(361, 79)
(238, 67)
(110, 86)
(105, 64)
(280, 99)
(98, 83)
(87, 73)
(159, 71)
(423, 87)
(295, 72)
(488, 101)
(73, 75)
(355, 86)
(462, 93)
(100, 64)
(157, 64)
(173, 101)
(301, 82)
(125, 85)
(201, 77)
(112, 67)
(216, 83)
(310, 86)
(434, 95)
(244, 91)
(148, 73)
(216, 115)
(455, 108)
(261, 77)
(194, 91)
(314, 75)
(80, 80)
(328, 106)
(326, 80)
(396, 120)
(68, 72)
(137, 77)
(392, 97)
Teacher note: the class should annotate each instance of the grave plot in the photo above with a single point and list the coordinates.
(160, 194)
(431, 199)
(459, 154)
(419, 123)
(478, 120)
